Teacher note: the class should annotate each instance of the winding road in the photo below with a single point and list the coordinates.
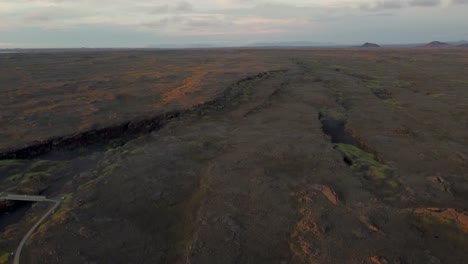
(14, 197)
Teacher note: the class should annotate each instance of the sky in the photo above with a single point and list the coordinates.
(144, 23)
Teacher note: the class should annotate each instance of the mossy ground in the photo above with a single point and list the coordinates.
(4, 257)
(326, 113)
(366, 164)
(32, 179)
(65, 207)
(60, 215)
(188, 212)
(11, 163)
(382, 93)
(45, 165)
(378, 90)
(32, 183)
(392, 103)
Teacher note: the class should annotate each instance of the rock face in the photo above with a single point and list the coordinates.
(436, 44)
(370, 45)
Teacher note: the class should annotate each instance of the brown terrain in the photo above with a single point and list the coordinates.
(237, 156)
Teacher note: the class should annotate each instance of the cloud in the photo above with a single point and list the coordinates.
(223, 24)
(184, 6)
(53, 14)
(159, 9)
(242, 19)
(36, 18)
(399, 4)
(382, 5)
(425, 2)
(8, 44)
(459, 2)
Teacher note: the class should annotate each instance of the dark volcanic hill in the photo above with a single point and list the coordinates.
(436, 44)
(370, 45)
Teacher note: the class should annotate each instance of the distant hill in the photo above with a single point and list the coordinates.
(182, 46)
(292, 44)
(463, 45)
(369, 45)
(255, 45)
(458, 43)
(436, 44)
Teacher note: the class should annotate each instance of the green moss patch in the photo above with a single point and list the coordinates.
(364, 163)
(59, 216)
(402, 84)
(4, 257)
(45, 165)
(109, 169)
(16, 177)
(382, 93)
(392, 184)
(35, 178)
(378, 90)
(32, 182)
(12, 163)
(326, 113)
(124, 152)
(393, 103)
(436, 95)
(373, 84)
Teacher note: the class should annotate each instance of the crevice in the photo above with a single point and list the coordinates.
(348, 161)
(12, 211)
(336, 129)
(359, 76)
(356, 154)
(268, 102)
(130, 129)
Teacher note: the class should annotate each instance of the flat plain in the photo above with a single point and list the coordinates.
(237, 155)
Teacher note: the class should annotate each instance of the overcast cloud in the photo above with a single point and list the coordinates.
(139, 23)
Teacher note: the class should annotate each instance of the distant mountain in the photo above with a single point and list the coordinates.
(432, 44)
(458, 43)
(256, 45)
(436, 44)
(292, 44)
(182, 46)
(369, 45)
(463, 45)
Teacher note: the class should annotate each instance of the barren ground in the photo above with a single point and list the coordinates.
(237, 156)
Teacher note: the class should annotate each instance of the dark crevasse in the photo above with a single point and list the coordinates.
(14, 214)
(130, 129)
(337, 132)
